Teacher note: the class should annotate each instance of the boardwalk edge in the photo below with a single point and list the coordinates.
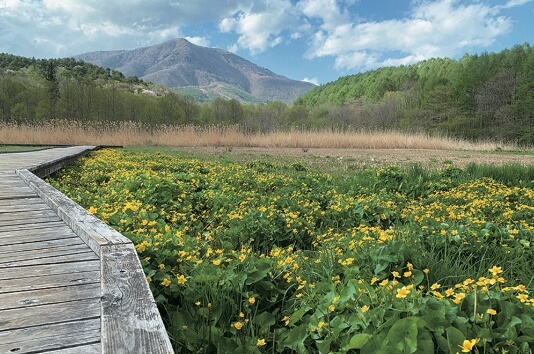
(130, 319)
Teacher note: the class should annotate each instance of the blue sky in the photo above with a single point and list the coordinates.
(311, 40)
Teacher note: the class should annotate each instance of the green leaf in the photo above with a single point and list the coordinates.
(297, 315)
(265, 320)
(403, 334)
(375, 343)
(324, 345)
(452, 341)
(418, 276)
(358, 341)
(295, 337)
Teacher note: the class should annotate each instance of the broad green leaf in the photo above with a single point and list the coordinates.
(403, 335)
(358, 341)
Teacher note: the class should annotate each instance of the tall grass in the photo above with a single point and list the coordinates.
(135, 134)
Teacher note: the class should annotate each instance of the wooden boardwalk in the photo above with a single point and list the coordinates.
(68, 282)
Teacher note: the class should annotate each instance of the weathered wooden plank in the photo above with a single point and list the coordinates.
(25, 215)
(84, 349)
(84, 333)
(41, 247)
(43, 161)
(92, 230)
(34, 221)
(13, 208)
(130, 318)
(49, 281)
(49, 314)
(16, 195)
(49, 296)
(35, 199)
(15, 237)
(30, 226)
(42, 254)
(81, 255)
(39, 270)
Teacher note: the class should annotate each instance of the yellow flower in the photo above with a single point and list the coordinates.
(252, 300)
(238, 325)
(449, 292)
(181, 279)
(320, 324)
(435, 286)
(409, 266)
(92, 210)
(491, 312)
(161, 266)
(365, 308)
(217, 262)
(260, 342)
(468, 345)
(286, 320)
(458, 298)
(402, 292)
(426, 270)
(198, 303)
(521, 288)
(166, 282)
(395, 274)
(241, 314)
(522, 297)
(495, 270)
(331, 308)
(407, 274)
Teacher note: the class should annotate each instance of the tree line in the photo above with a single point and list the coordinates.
(483, 96)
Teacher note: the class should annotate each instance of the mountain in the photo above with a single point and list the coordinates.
(179, 64)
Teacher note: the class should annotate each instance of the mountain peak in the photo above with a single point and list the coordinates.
(180, 64)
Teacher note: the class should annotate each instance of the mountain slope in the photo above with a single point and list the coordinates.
(181, 64)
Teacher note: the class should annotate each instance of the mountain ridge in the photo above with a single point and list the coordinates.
(180, 64)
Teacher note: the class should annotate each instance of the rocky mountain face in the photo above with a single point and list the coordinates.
(179, 64)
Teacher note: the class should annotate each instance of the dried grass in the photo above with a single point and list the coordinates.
(135, 134)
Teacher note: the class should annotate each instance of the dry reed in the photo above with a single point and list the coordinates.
(136, 134)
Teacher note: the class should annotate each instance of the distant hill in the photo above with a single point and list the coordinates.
(179, 64)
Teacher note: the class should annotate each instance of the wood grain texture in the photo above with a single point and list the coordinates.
(23, 317)
(49, 281)
(49, 296)
(39, 270)
(69, 283)
(91, 229)
(49, 338)
(130, 318)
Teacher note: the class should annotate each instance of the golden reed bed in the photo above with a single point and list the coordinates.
(135, 134)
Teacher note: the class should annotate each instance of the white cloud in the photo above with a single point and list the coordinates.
(434, 28)
(328, 11)
(515, 3)
(313, 80)
(331, 28)
(201, 41)
(261, 27)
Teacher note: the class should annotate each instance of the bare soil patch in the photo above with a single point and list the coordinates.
(377, 157)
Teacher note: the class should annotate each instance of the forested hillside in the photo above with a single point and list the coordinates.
(490, 95)
(486, 96)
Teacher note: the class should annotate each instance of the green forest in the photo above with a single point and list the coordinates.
(481, 96)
